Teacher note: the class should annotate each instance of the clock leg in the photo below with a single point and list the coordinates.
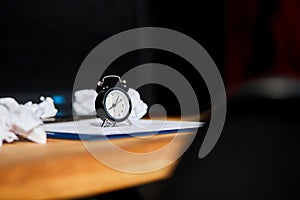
(107, 123)
(103, 123)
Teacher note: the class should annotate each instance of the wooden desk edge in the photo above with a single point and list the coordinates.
(64, 169)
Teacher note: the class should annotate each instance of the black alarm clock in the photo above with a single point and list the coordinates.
(112, 104)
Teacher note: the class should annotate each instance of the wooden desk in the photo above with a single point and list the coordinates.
(64, 168)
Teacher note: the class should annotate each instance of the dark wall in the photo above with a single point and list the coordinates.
(201, 21)
(42, 43)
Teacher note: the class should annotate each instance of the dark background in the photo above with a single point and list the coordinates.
(44, 43)
(255, 45)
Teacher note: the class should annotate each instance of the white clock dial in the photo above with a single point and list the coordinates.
(117, 104)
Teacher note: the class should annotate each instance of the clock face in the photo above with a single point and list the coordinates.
(117, 104)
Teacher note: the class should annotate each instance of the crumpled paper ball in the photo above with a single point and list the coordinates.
(84, 103)
(24, 120)
(139, 108)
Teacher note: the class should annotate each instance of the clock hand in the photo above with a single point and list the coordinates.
(112, 106)
(118, 101)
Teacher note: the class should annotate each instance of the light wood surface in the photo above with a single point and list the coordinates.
(65, 169)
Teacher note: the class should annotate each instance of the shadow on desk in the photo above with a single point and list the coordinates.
(130, 193)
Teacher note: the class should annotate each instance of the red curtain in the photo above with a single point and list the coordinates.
(261, 35)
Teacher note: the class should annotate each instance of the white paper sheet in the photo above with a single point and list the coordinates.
(92, 127)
